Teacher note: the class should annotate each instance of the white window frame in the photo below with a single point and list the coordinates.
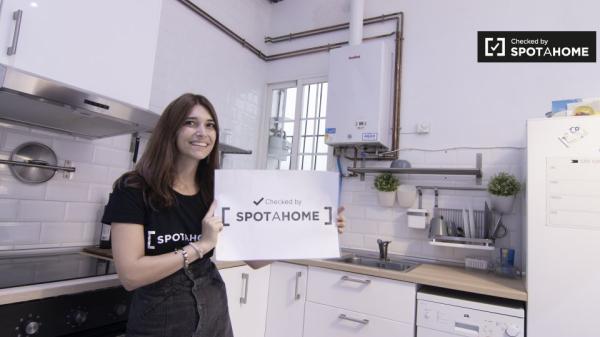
(264, 138)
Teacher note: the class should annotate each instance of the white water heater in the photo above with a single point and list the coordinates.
(360, 95)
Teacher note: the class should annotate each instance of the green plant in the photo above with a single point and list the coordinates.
(386, 182)
(504, 184)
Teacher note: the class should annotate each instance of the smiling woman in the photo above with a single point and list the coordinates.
(166, 205)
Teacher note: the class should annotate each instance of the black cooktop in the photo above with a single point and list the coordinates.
(28, 270)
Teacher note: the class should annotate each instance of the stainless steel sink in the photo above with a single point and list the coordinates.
(368, 261)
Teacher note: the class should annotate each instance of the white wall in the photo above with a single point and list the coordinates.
(471, 107)
(193, 56)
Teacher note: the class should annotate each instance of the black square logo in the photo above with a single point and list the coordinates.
(495, 46)
(529, 46)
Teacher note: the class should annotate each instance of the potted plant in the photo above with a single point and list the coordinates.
(503, 187)
(386, 185)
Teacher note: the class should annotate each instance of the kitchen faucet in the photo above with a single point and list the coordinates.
(383, 249)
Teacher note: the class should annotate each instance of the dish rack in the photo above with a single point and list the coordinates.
(477, 241)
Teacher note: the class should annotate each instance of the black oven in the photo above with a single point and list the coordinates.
(99, 311)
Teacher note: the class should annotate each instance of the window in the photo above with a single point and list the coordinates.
(297, 127)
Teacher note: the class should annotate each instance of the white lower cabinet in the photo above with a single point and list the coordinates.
(287, 297)
(346, 304)
(247, 291)
(327, 321)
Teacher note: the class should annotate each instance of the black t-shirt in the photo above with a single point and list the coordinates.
(165, 229)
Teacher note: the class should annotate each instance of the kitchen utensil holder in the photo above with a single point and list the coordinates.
(455, 216)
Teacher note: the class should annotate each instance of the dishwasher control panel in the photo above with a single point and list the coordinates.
(463, 321)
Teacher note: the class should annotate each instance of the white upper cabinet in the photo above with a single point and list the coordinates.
(107, 47)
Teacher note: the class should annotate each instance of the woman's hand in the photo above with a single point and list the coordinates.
(211, 226)
(340, 220)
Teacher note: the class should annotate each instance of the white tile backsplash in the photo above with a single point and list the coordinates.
(19, 232)
(367, 221)
(84, 212)
(66, 190)
(41, 210)
(62, 232)
(60, 212)
(8, 209)
(112, 157)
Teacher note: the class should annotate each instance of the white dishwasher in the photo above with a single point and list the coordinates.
(447, 313)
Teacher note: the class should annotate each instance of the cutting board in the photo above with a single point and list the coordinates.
(99, 251)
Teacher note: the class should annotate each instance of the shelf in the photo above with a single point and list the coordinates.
(477, 172)
(230, 149)
(460, 242)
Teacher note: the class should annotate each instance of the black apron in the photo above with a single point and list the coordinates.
(189, 302)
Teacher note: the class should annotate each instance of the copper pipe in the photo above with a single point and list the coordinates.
(321, 48)
(329, 29)
(398, 17)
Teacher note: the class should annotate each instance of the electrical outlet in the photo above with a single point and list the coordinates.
(423, 128)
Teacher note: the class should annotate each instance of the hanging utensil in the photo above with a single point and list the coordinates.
(34, 163)
(437, 226)
(500, 230)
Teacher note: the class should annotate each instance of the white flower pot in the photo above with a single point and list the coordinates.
(407, 195)
(386, 199)
(502, 204)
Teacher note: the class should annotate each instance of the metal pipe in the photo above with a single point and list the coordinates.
(31, 164)
(224, 28)
(321, 48)
(329, 29)
(398, 17)
(452, 188)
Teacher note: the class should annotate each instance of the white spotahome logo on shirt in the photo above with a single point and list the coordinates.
(167, 238)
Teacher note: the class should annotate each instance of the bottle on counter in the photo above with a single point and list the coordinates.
(105, 235)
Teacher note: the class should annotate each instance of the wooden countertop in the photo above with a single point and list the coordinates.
(107, 254)
(479, 282)
(442, 276)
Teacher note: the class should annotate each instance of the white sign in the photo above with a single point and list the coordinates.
(272, 214)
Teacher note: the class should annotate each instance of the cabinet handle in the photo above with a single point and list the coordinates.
(245, 279)
(356, 320)
(17, 15)
(347, 278)
(296, 295)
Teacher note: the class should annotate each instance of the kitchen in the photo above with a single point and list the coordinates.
(468, 107)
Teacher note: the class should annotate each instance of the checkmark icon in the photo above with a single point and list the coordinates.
(258, 201)
(495, 47)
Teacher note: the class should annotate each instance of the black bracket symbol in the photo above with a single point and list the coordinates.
(223, 215)
(330, 215)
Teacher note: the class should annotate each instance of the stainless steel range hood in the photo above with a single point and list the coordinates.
(38, 102)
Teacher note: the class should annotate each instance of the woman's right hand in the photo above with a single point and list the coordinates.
(211, 226)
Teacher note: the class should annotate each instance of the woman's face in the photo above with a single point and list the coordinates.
(196, 138)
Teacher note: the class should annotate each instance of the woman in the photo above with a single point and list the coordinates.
(164, 231)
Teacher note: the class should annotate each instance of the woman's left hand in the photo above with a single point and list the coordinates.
(340, 220)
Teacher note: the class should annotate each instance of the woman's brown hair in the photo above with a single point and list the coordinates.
(155, 172)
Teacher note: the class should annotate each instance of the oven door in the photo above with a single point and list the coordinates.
(113, 330)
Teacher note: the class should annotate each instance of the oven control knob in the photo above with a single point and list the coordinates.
(31, 327)
(76, 317)
(512, 330)
(120, 309)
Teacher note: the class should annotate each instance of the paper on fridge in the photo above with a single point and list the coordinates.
(272, 214)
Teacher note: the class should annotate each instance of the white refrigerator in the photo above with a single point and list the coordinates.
(563, 227)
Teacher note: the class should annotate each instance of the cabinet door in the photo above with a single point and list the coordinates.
(106, 47)
(287, 296)
(233, 283)
(363, 293)
(247, 292)
(326, 321)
